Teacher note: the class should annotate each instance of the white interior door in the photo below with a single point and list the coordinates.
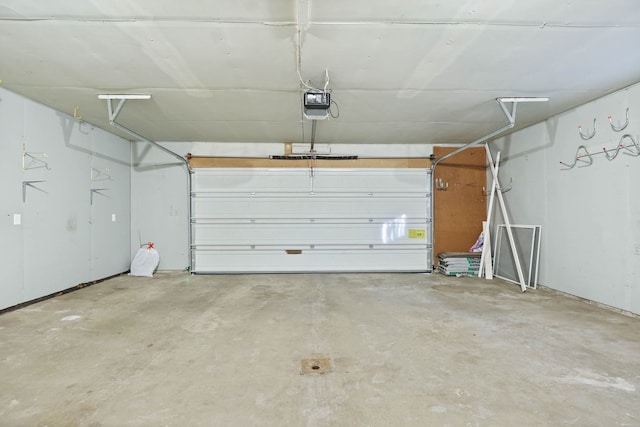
(302, 220)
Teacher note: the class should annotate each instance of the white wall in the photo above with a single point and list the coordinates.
(63, 240)
(160, 203)
(160, 198)
(590, 216)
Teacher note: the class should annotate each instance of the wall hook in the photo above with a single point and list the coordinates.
(486, 193)
(441, 185)
(615, 152)
(619, 127)
(581, 153)
(588, 135)
(634, 144)
(75, 113)
(504, 190)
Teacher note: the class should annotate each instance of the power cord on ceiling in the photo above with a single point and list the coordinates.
(331, 111)
(299, 66)
(299, 61)
(305, 84)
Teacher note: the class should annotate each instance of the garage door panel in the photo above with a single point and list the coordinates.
(310, 207)
(391, 233)
(370, 181)
(291, 220)
(334, 260)
(249, 180)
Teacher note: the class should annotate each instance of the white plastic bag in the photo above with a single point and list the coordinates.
(477, 246)
(145, 262)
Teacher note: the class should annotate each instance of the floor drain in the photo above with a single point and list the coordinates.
(315, 366)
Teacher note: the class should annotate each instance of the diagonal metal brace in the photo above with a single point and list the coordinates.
(511, 116)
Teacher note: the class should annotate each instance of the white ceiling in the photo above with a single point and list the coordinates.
(415, 71)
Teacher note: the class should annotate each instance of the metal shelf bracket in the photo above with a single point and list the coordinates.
(26, 184)
(100, 175)
(96, 191)
(34, 161)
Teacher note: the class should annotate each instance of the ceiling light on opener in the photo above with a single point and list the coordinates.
(124, 96)
(523, 99)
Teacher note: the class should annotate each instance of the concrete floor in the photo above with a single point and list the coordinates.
(404, 350)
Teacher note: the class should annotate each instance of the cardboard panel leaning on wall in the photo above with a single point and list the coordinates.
(11, 264)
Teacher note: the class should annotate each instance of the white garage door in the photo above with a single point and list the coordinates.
(302, 220)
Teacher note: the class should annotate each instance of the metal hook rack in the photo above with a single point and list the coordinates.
(100, 175)
(634, 144)
(590, 135)
(619, 127)
(583, 155)
(441, 185)
(630, 150)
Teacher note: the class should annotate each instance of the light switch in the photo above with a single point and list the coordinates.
(17, 219)
(113, 217)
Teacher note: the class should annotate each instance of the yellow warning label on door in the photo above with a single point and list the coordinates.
(415, 233)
